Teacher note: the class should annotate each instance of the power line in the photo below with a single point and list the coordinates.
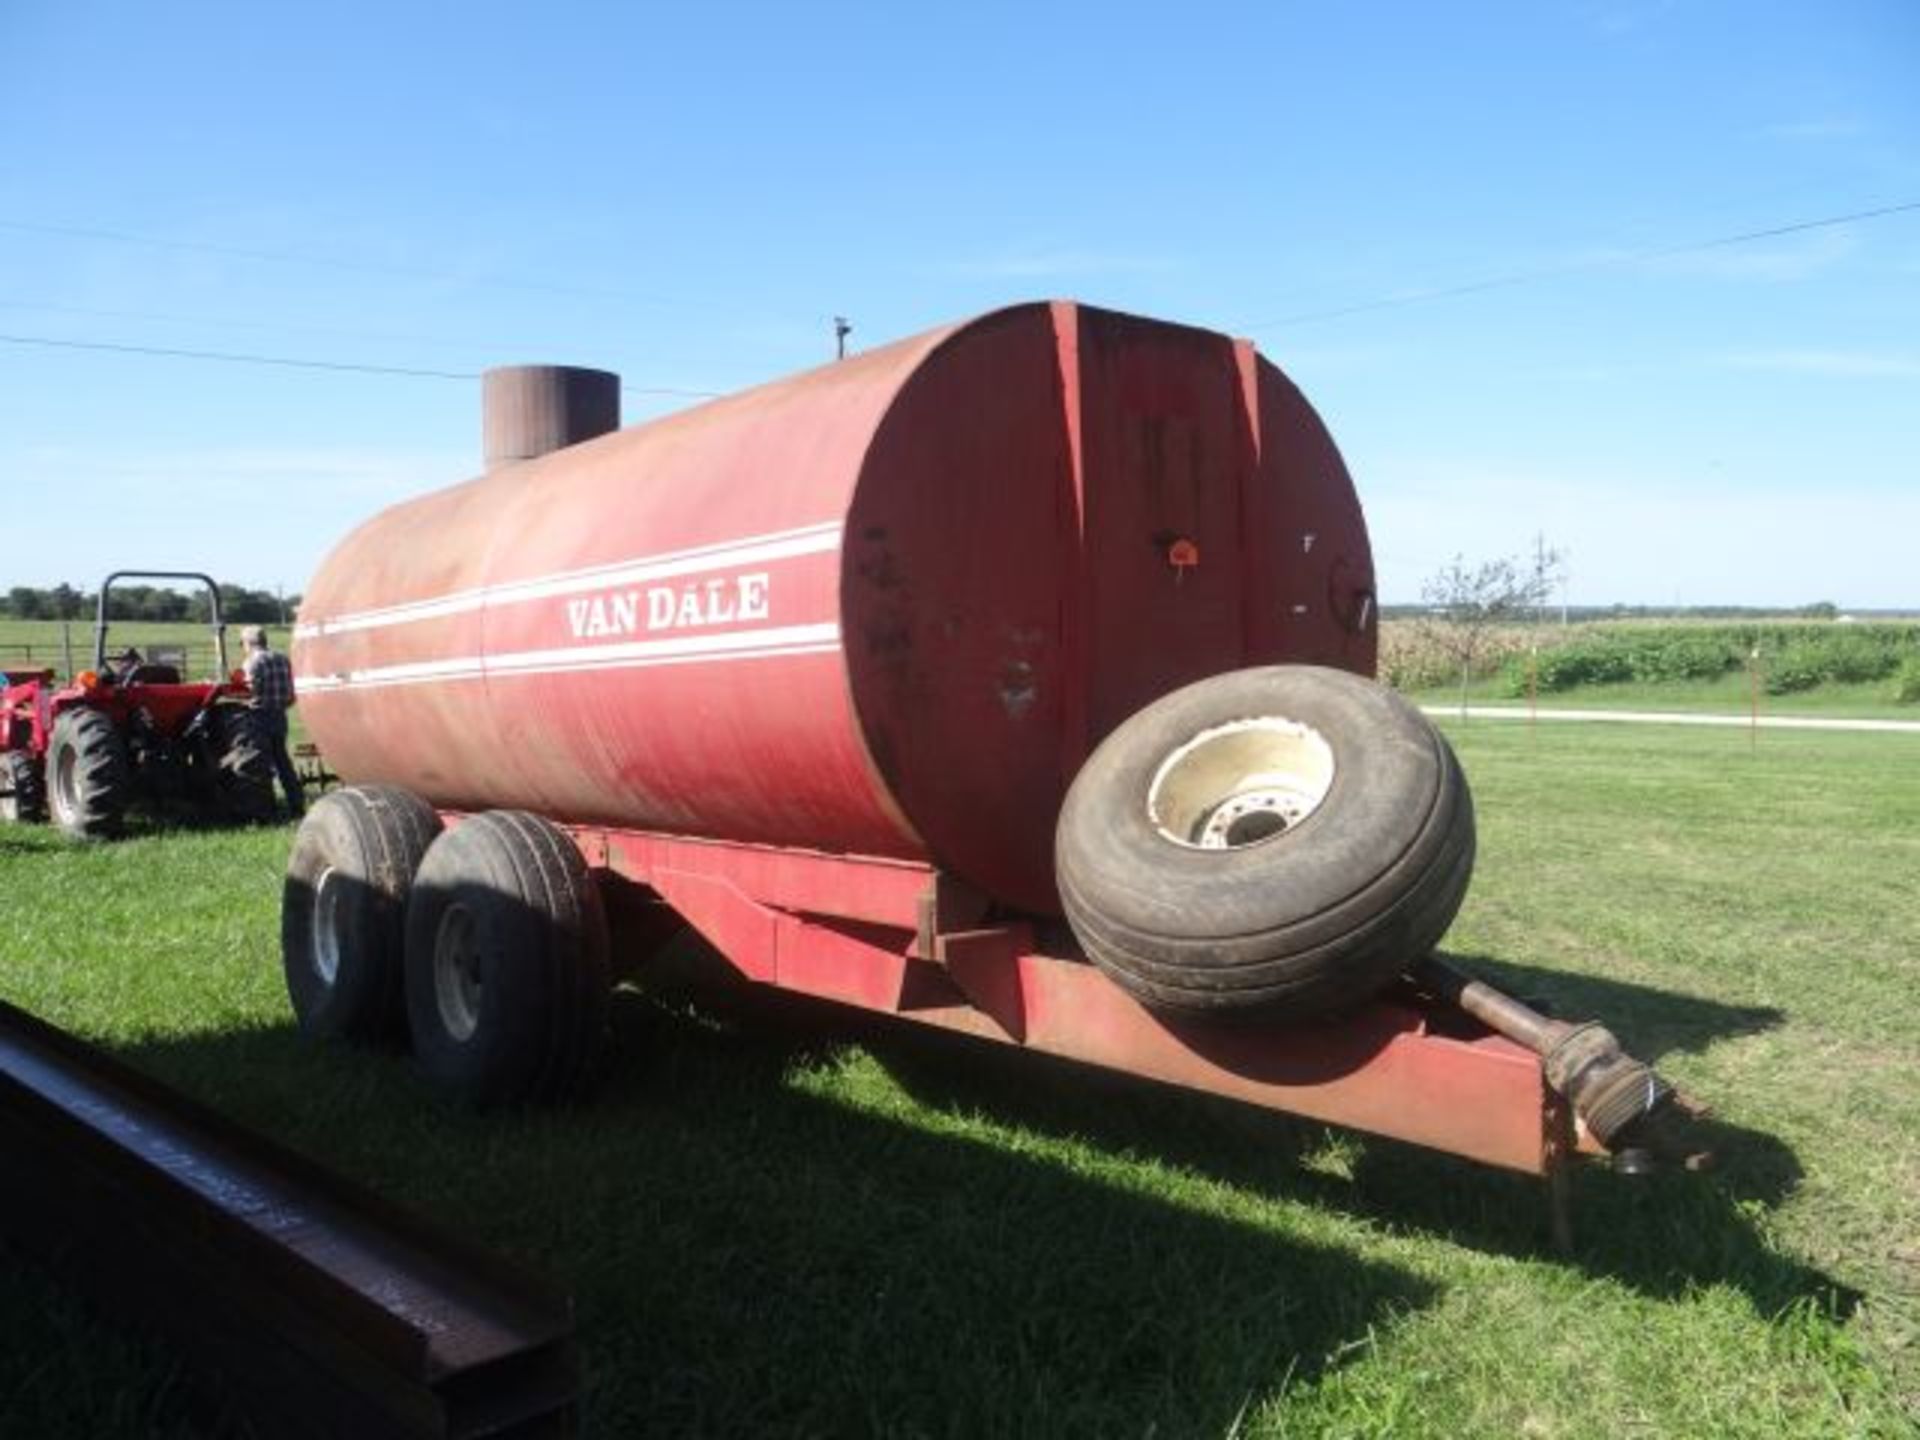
(230, 323)
(282, 361)
(1523, 277)
(293, 363)
(328, 262)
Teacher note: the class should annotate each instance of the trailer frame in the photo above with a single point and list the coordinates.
(902, 939)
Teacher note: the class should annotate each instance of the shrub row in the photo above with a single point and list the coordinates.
(1906, 681)
(1792, 657)
(1602, 659)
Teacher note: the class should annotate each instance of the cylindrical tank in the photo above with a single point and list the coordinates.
(527, 411)
(884, 607)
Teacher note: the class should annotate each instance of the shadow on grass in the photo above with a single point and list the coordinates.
(1663, 1234)
(53, 1348)
(19, 842)
(757, 1251)
(1651, 1023)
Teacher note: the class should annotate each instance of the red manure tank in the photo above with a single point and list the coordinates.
(883, 608)
(866, 675)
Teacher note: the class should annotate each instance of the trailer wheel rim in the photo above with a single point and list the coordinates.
(1240, 783)
(325, 947)
(457, 987)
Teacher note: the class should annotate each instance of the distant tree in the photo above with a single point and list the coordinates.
(1466, 602)
(167, 605)
(238, 604)
(241, 606)
(257, 607)
(26, 603)
(134, 602)
(65, 602)
(1820, 610)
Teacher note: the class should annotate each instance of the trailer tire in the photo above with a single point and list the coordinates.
(243, 775)
(26, 800)
(1272, 843)
(508, 978)
(89, 783)
(343, 911)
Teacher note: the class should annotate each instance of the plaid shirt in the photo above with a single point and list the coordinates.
(270, 677)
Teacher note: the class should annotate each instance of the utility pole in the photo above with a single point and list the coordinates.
(1539, 574)
(1549, 570)
(842, 328)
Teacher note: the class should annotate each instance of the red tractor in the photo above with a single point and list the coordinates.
(132, 733)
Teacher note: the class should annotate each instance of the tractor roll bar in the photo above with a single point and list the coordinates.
(213, 612)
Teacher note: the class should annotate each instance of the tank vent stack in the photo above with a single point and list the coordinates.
(529, 410)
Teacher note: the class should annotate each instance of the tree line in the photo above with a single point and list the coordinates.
(238, 604)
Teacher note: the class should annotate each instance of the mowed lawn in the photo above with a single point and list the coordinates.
(775, 1226)
(1724, 695)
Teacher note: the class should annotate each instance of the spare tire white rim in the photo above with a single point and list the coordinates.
(1240, 783)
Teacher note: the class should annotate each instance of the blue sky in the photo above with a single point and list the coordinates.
(688, 193)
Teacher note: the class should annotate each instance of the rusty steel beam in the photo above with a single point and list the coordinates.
(318, 1307)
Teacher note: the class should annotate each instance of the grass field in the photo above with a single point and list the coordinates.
(774, 1227)
(27, 644)
(1724, 695)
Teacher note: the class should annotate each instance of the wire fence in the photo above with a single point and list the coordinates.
(69, 653)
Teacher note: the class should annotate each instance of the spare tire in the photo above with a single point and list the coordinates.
(1279, 842)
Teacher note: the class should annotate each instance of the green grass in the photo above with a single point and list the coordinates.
(775, 1226)
(1724, 695)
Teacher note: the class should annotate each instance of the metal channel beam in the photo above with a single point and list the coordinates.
(322, 1309)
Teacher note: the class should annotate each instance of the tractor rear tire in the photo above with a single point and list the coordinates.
(26, 800)
(89, 783)
(1275, 843)
(243, 775)
(343, 911)
(508, 981)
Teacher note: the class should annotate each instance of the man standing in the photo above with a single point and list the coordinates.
(270, 678)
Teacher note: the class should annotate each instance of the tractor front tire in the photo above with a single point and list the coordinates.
(89, 783)
(26, 797)
(343, 911)
(508, 981)
(243, 775)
